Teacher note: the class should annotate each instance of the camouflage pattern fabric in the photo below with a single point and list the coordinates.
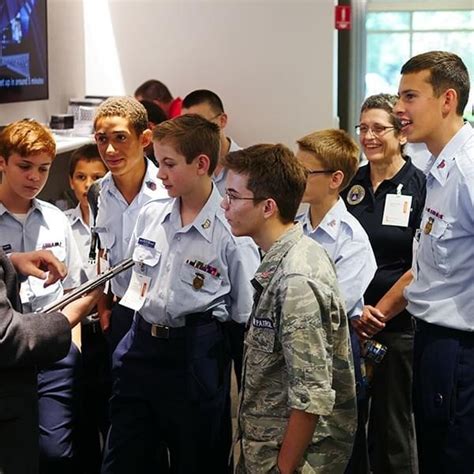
(297, 356)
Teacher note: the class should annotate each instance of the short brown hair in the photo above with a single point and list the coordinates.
(273, 172)
(154, 90)
(336, 149)
(447, 71)
(127, 108)
(191, 135)
(88, 153)
(385, 102)
(26, 137)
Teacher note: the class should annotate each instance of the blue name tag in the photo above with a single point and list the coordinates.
(50, 245)
(146, 243)
(6, 247)
(262, 323)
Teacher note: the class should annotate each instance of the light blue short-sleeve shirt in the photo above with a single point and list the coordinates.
(44, 227)
(442, 291)
(195, 268)
(116, 219)
(82, 235)
(348, 246)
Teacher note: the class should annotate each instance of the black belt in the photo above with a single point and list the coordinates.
(420, 325)
(161, 331)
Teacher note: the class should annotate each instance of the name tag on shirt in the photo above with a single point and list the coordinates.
(136, 292)
(397, 210)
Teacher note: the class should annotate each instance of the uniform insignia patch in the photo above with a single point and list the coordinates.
(428, 225)
(198, 281)
(151, 185)
(355, 195)
(262, 323)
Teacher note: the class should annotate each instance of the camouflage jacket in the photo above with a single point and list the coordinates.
(297, 356)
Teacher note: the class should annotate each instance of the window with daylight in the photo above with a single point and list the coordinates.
(393, 35)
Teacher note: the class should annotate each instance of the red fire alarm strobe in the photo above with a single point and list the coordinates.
(342, 17)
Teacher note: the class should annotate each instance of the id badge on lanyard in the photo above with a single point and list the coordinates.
(397, 209)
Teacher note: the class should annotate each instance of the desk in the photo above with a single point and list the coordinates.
(66, 144)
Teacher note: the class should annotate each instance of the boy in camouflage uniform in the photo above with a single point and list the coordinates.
(298, 405)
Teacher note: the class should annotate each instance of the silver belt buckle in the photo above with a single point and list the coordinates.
(159, 331)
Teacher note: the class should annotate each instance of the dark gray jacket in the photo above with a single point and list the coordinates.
(26, 340)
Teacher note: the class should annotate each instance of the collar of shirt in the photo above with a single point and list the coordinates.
(221, 176)
(204, 221)
(233, 146)
(75, 215)
(445, 160)
(363, 175)
(36, 205)
(151, 186)
(331, 221)
(275, 255)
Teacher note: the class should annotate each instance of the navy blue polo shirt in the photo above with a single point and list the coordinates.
(392, 245)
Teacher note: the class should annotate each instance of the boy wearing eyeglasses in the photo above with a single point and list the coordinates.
(297, 408)
(191, 275)
(331, 158)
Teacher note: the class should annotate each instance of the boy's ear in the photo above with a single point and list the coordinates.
(223, 120)
(336, 179)
(203, 163)
(146, 138)
(270, 208)
(3, 163)
(450, 101)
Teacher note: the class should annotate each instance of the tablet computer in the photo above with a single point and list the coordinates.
(87, 287)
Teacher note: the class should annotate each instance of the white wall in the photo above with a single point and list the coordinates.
(66, 64)
(271, 61)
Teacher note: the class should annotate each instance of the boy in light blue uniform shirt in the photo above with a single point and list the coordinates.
(122, 134)
(27, 150)
(190, 275)
(433, 94)
(331, 159)
(85, 168)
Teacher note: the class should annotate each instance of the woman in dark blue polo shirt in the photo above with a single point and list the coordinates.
(387, 197)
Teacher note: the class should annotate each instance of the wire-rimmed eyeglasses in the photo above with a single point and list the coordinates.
(310, 172)
(229, 197)
(375, 129)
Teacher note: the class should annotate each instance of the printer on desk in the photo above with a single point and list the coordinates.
(83, 111)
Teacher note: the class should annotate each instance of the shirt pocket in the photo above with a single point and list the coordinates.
(438, 236)
(59, 252)
(200, 280)
(37, 284)
(58, 248)
(146, 257)
(107, 239)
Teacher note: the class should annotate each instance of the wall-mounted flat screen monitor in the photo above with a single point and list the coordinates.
(23, 50)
